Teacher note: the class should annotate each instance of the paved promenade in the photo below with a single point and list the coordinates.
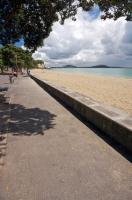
(51, 155)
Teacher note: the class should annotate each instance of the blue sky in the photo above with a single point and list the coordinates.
(20, 43)
(94, 13)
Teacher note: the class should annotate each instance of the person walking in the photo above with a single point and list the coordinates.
(11, 78)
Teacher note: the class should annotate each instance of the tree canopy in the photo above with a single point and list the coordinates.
(18, 58)
(32, 20)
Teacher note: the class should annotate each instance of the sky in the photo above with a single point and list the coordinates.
(88, 41)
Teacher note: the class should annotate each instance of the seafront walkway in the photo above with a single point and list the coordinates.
(52, 155)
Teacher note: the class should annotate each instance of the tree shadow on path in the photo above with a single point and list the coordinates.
(29, 121)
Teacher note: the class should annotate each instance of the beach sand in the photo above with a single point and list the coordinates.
(111, 91)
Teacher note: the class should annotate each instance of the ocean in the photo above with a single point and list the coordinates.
(115, 72)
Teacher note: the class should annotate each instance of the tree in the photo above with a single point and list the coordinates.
(8, 56)
(16, 58)
(32, 20)
(1, 62)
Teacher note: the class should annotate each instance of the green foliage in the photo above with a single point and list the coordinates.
(32, 20)
(41, 62)
(115, 9)
(13, 57)
(8, 56)
(1, 62)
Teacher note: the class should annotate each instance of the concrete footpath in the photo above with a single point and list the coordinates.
(51, 155)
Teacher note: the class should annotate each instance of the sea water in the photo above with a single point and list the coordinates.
(115, 72)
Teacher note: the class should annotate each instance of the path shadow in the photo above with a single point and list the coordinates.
(4, 114)
(29, 121)
(3, 89)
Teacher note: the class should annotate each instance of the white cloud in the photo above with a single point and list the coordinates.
(88, 41)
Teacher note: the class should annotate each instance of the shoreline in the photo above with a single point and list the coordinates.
(92, 74)
(113, 91)
(95, 72)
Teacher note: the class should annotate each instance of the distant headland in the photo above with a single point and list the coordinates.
(96, 66)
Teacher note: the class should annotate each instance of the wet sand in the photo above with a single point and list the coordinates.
(112, 91)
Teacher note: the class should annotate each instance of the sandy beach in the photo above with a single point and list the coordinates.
(112, 91)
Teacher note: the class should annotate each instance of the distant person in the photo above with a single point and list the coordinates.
(28, 72)
(11, 78)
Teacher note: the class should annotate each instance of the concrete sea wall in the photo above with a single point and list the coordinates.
(111, 121)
